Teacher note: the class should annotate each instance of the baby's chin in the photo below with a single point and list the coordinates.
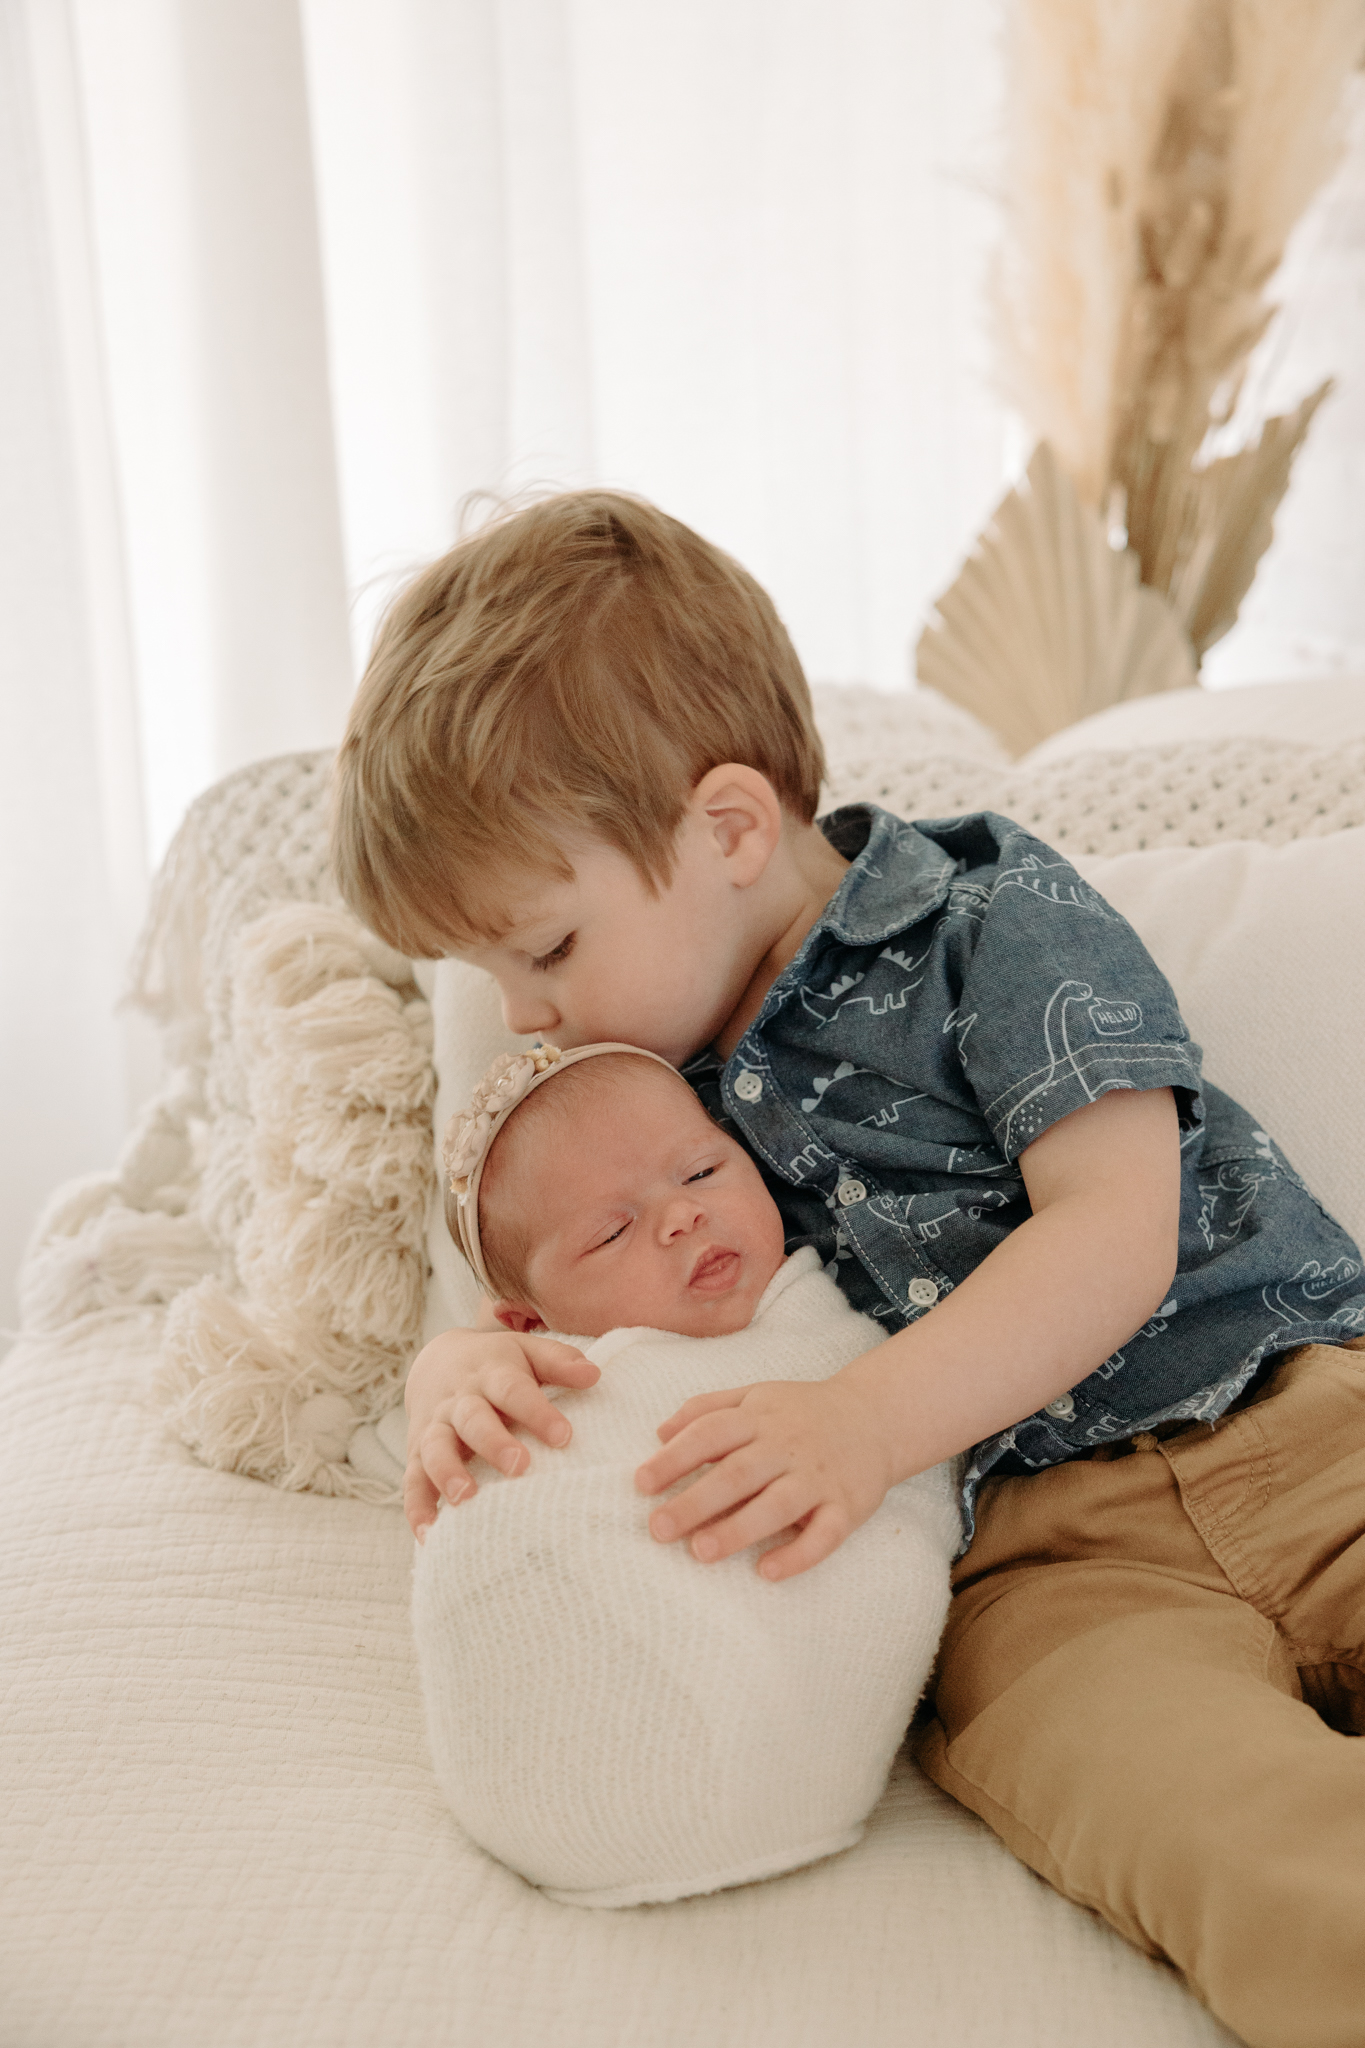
(715, 1318)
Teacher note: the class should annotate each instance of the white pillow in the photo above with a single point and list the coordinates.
(1265, 949)
(1314, 714)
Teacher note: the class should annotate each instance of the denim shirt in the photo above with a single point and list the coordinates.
(963, 990)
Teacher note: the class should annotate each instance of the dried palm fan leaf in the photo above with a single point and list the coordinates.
(1234, 505)
(1046, 621)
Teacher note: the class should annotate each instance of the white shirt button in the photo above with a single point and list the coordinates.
(922, 1293)
(851, 1191)
(1063, 1406)
(748, 1087)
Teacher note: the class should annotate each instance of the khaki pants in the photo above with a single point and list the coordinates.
(1151, 1675)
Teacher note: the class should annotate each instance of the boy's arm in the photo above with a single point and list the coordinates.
(462, 1391)
(1061, 1293)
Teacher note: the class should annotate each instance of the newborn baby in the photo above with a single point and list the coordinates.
(614, 1720)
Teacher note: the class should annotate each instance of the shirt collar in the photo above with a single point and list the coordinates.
(897, 877)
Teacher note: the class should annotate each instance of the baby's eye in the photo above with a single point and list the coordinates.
(560, 953)
(603, 1242)
(702, 1173)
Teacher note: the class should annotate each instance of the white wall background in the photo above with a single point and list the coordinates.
(1305, 613)
(288, 279)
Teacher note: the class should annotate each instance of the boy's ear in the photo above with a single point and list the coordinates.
(513, 1316)
(744, 813)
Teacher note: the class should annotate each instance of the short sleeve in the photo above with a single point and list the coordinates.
(1061, 1001)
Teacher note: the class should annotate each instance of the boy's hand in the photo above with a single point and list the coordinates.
(461, 1393)
(786, 1454)
(1057, 1295)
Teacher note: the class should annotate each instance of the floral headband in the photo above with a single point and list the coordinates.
(470, 1133)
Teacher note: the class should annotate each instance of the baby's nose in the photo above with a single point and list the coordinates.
(682, 1217)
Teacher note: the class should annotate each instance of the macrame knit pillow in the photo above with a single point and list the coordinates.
(273, 1196)
(1178, 793)
(168, 1213)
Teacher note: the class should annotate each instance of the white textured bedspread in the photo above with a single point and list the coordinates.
(219, 1824)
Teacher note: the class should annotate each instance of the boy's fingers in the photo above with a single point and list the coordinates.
(700, 1404)
(436, 1457)
(777, 1507)
(420, 1498)
(745, 1474)
(822, 1535)
(521, 1401)
(482, 1428)
(700, 1443)
(560, 1365)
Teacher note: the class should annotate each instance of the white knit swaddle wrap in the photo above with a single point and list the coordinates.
(621, 1723)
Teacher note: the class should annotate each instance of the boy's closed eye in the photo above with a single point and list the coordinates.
(557, 954)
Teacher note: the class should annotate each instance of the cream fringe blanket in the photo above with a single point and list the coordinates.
(274, 1195)
(271, 1378)
(621, 1723)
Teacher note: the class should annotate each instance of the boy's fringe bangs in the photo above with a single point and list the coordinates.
(572, 670)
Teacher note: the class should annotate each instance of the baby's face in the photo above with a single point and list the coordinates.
(643, 1212)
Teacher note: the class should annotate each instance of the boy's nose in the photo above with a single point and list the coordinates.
(523, 1011)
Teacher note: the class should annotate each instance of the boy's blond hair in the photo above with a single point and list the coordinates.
(575, 667)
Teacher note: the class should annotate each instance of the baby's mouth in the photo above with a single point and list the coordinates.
(716, 1270)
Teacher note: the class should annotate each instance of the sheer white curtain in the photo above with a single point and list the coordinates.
(72, 843)
(287, 285)
(284, 283)
(728, 253)
(204, 226)
(174, 592)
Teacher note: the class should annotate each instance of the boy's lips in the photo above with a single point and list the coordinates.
(716, 1270)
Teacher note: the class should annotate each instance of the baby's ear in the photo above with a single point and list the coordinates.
(513, 1316)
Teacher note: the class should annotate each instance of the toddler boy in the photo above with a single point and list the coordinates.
(583, 757)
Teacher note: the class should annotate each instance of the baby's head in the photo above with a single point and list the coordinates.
(591, 1190)
(580, 735)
